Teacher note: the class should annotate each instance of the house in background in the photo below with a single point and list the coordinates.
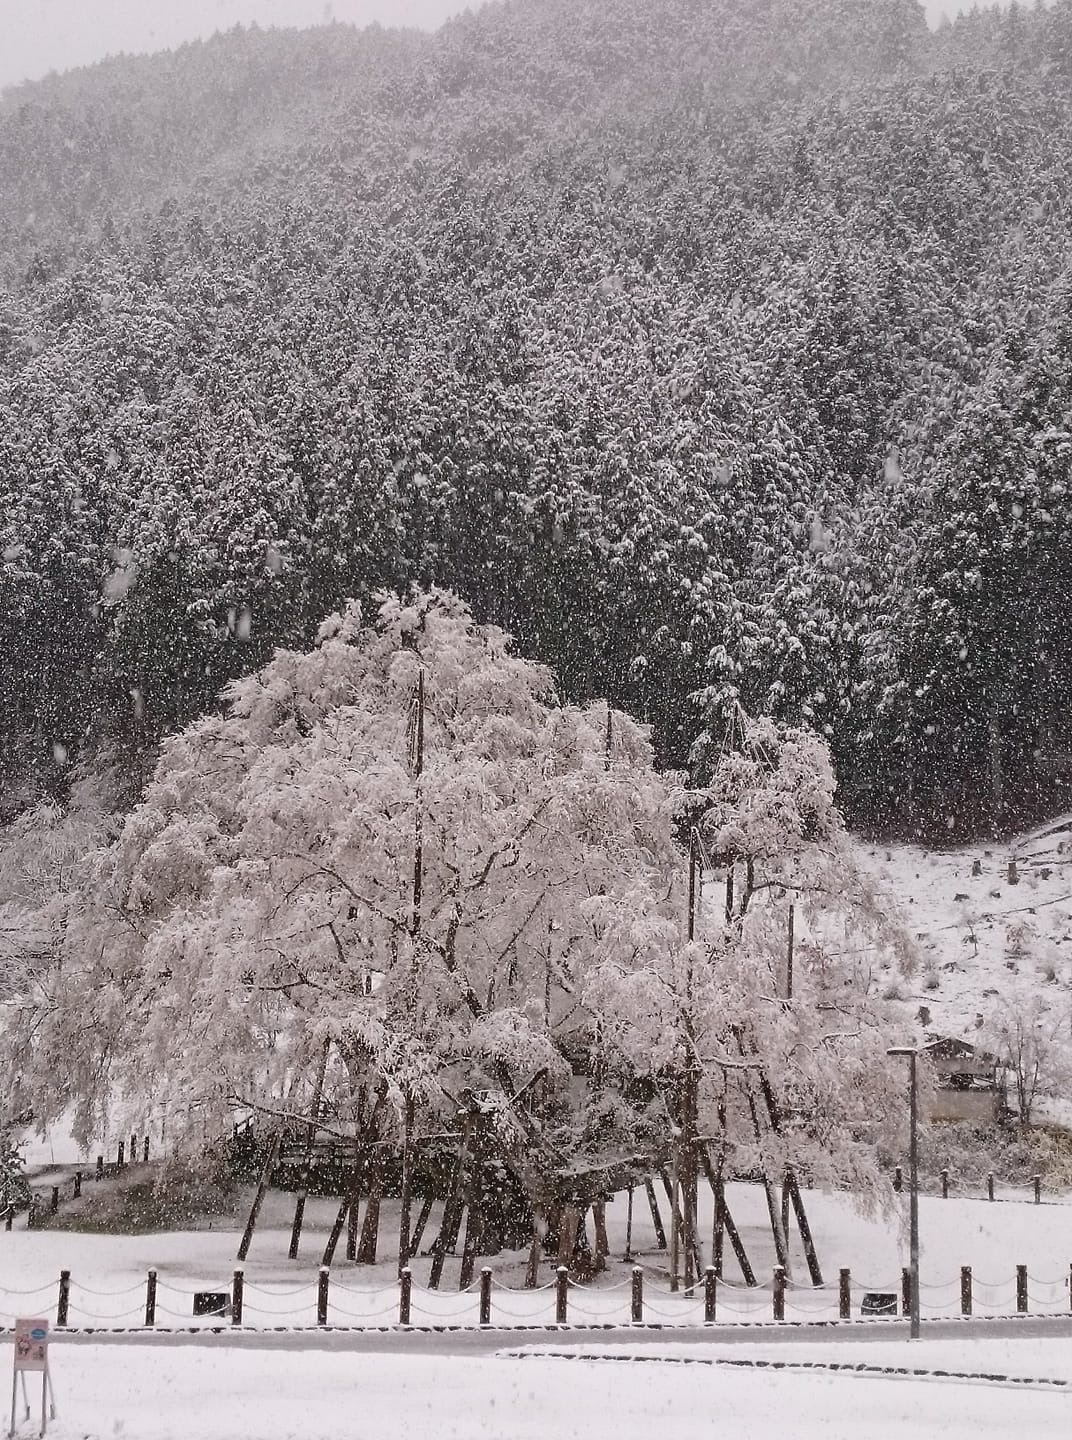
(969, 1083)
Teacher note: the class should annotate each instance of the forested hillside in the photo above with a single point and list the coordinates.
(720, 353)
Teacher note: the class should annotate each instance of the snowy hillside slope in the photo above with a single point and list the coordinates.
(994, 925)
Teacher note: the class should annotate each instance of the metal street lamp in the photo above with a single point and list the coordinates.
(913, 1185)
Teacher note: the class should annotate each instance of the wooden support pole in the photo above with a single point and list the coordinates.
(965, 1290)
(1021, 1289)
(599, 1220)
(485, 1295)
(353, 1215)
(710, 1295)
(307, 1158)
(628, 1225)
(778, 1292)
(636, 1312)
(405, 1295)
(150, 1298)
(238, 1287)
(406, 1194)
(532, 1269)
(561, 1295)
(323, 1283)
(63, 1303)
(811, 1255)
(656, 1218)
(844, 1295)
(336, 1232)
(422, 1221)
(730, 1227)
(370, 1226)
(296, 1226)
(271, 1161)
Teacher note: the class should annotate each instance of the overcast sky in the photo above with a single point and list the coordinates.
(41, 35)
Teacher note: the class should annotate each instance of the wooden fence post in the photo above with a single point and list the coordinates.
(133, 1149)
(485, 1295)
(898, 1178)
(63, 1306)
(31, 1214)
(9, 1217)
(120, 1154)
(561, 1295)
(100, 1167)
(844, 1295)
(323, 1281)
(150, 1298)
(990, 1186)
(778, 1292)
(405, 1295)
(1021, 1289)
(238, 1286)
(77, 1191)
(945, 1184)
(54, 1203)
(1038, 1189)
(637, 1311)
(906, 1291)
(710, 1294)
(965, 1290)
(145, 1151)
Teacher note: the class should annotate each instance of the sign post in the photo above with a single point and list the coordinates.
(31, 1354)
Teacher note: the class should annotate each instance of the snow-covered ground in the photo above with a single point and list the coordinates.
(222, 1394)
(109, 1271)
(982, 935)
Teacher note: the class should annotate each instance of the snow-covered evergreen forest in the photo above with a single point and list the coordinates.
(719, 353)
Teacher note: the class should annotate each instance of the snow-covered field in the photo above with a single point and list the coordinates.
(220, 1394)
(109, 1271)
(983, 936)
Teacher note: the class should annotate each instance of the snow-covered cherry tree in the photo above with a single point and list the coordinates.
(770, 1052)
(374, 886)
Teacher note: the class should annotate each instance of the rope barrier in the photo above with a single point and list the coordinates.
(515, 1314)
(41, 1289)
(442, 1314)
(518, 1289)
(106, 1294)
(368, 1315)
(92, 1315)
(290, 1290)
(260, 1309)
(671, 1314)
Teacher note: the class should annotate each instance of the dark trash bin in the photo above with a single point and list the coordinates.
(211, 1302)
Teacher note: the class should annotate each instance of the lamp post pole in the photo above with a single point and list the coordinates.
(913, 1186)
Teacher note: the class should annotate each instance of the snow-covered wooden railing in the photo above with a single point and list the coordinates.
(988, 1192)
(329, 1302)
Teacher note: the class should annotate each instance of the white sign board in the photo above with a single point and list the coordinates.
(31, 1344)
(31, 1354)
